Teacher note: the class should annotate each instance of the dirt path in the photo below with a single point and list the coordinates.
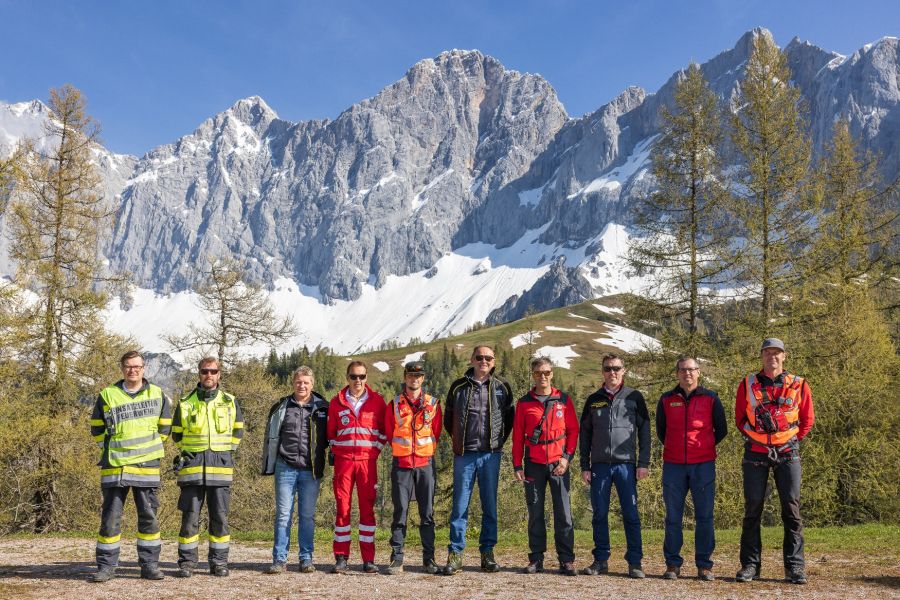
(57, 567)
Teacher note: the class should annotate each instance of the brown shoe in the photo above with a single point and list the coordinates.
(672, 572)
(705, 574)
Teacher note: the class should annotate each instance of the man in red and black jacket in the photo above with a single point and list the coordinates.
(545, 435)
(773, 411)
(690, 422)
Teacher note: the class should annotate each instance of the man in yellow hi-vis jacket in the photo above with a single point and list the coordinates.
(207, 428)
(130, 421)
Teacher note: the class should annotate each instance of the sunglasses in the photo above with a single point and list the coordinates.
(612, 369)
(541, 373)
(483, 358)
(356, 377)
(209, 371)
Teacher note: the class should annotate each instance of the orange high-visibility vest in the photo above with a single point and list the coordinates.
(788, 402)
(412, 430)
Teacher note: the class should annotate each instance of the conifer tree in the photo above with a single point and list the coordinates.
(773, 199)
(681, 224)
(56, 217)
(238, 314)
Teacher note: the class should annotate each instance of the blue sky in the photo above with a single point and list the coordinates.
(152, 71)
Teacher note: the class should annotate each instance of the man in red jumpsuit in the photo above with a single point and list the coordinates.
(355, 419)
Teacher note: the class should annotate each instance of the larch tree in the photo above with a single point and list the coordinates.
(238, 314)
(56, 216)
(682, 236)
(773, 201)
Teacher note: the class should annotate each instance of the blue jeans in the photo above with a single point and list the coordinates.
(603, 476)
(291, 483)
(700, 479)
(485, 468)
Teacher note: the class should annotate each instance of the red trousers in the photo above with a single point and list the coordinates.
(362, 473)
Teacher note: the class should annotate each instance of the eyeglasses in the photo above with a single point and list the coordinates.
(356, 377)
(688, 369)
(483, 358)
(132, 367)
(541, 373)
(615, 369)
(209, 371)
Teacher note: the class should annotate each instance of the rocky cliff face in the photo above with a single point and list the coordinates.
(459, 151)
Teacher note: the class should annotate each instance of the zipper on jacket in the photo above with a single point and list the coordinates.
(687, 407)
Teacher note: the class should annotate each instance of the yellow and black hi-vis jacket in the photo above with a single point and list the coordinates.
(130, 428)
(207, 428)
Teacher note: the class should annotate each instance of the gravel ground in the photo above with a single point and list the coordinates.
(57, 567)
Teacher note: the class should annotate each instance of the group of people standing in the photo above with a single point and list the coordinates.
(773, 412)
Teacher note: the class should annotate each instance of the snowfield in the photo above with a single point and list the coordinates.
(465, 286)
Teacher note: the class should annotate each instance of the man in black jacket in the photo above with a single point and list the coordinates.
(295, 454)
(478, 415)
(615, 449)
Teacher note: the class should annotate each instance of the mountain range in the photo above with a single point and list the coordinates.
(461, 193)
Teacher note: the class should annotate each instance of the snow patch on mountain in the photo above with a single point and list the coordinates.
(626, 339)
(560, 356)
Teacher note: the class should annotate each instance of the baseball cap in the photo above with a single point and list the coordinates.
(772, 343)
(416, 366)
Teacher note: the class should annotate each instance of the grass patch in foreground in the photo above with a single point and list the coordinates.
(869, 538)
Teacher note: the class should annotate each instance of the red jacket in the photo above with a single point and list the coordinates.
(559, 434)
(412, 461)
(690, 427)
(356, 437)
(773, 389)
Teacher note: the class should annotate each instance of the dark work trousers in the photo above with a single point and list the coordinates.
(537, 477)
(218, 501)
(109, 539)
(786, 470)
(405, 483)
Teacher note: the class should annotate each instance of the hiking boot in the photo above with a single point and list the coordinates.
(340, 564)
(429, 566)
(567, 569)
(534, 566)
(672, 572)
(598, 567)
(151, 572)
(218, 570)
(747, 573)
(795, 575)
(307, 566)
(705, 574)
(488, 564)
(454, 563)
(369, 567)
(102, 575)
(394, 568)
(275, 568)
(185, 570)
(636, 571)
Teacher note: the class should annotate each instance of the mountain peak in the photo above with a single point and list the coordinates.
(252, 109)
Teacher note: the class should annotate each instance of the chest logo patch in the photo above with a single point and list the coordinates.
(676, 404)
(345, 420)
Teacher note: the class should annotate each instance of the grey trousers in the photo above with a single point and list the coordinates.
(190, 503)
(537, 477)
(148, 542)
(404, 483)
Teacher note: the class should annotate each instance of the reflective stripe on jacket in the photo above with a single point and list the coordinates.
(207, 428)
(412, 430)
(787, 401)
(130, 429)
(357, 437)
